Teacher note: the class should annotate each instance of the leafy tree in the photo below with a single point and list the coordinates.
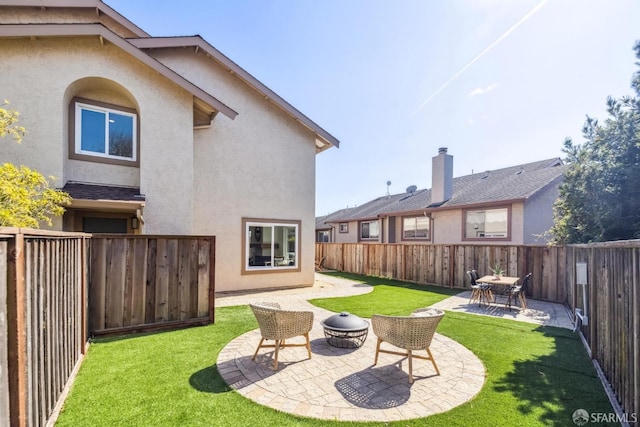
(600, 197)
(8, 126)
(26, 197)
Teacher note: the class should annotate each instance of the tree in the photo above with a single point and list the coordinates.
(599, 199)
(8, 126)
(26, 197)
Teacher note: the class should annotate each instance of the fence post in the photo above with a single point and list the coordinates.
(16, 332)
(212, 280)
(4, 379)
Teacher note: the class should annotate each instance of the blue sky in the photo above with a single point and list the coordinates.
(498, 82)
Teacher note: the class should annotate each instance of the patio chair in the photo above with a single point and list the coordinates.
(479, 291)
(280, 325)
(410, 333)
(517, 292)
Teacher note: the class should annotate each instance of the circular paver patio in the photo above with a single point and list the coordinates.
(342, 384)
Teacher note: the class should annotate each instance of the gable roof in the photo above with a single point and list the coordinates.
(138, 45)
(201, 45)
(98, 5)
(322, 222)
(515, 183)
(99, 30)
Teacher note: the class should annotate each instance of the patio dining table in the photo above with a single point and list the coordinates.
(501, 285)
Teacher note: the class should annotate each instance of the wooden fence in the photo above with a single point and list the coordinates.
(613, 289)
(57, 288)
(43, 321)
(613, 313)
(446, 265)
(146, 282)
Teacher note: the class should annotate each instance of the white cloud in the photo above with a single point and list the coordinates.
(483, 90)
(480, 55)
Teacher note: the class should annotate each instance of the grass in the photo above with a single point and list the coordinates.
(536, 376)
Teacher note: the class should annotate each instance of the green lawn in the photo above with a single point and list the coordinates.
(536, 376)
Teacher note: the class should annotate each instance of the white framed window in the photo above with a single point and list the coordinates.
(103, 132)
(416, 228)
(271, 246)
(487, 224)
(369, 230)
(344, 227)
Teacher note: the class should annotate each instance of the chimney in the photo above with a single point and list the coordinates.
(442, 177)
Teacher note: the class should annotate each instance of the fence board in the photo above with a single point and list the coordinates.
(446, 265)
(203, 274)
(148, 281)
(4, 368)
(41, 320)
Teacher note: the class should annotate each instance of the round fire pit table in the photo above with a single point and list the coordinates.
(345, 330)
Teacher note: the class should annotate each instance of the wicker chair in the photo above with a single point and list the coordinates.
(279, 325)
(410, 333)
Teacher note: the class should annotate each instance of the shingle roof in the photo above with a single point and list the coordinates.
(102, 192)
(513, 183)
(322, 221)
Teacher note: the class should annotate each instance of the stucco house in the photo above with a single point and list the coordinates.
(161, 135)
(510, 206)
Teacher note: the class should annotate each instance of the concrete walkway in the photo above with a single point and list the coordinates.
(342, 384)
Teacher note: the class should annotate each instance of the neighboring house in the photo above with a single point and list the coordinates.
(325, 229)
(161, 135)
(504, 206)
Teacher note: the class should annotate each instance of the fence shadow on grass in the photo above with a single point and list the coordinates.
(558, 383)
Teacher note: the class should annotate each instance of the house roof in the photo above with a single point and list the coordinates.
(326, 140)
(98, 5)
(102, 192)
(202, 99)
(322, 222)
(515, 183)
(141, 42)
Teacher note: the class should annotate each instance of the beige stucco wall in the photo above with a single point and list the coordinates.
(349, 237)
(260, 165)
(447, 227)
(41, 76)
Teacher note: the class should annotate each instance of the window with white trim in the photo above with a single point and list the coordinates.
(416, 228)
(487, 224)
(271, 245)
(369, 230)
(105, 131)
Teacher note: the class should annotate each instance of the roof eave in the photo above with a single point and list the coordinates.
(101, 204)
(99, 30)
(80, 4)
(200, 44)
